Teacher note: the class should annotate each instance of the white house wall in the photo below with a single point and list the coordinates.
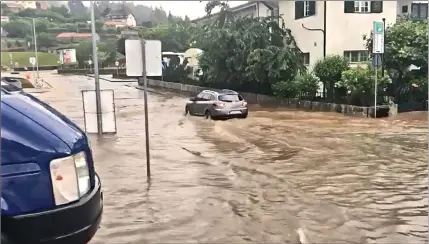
(131, 21)
(263, 10)
(344, 30)
(308, 41)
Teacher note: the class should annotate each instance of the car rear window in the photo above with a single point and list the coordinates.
(230, 98)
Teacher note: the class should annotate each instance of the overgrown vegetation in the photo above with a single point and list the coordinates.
(406, 60)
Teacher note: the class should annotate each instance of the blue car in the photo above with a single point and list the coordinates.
(50, 192)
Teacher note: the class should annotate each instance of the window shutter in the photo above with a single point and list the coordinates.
(312, 8)
(299, 9)
(349, 6)
(376, 7)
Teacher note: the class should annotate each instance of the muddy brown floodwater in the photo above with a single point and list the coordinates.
(276, 177)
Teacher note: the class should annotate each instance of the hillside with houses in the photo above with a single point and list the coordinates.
(60, 24)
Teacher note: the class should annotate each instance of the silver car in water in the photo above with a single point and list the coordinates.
(215, 104)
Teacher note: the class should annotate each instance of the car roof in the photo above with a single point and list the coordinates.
(221, 92)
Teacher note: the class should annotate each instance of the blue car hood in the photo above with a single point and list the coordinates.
(31, 127)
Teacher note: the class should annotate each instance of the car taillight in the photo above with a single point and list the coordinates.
(70, 178)
(219, 105)
(244, 104)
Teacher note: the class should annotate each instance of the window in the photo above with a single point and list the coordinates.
(363, 6)
(405, 9)
(356, 56)
(306, 58)
(230, 98)
(206, 96)
(200, 96)
(419, 10)
(305, 9)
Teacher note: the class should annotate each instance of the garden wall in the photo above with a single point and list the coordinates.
(252, 98)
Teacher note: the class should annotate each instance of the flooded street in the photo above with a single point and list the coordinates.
(275, 177)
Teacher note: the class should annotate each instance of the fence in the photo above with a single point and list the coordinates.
(252, 98)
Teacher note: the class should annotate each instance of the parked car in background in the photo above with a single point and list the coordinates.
(214, 104)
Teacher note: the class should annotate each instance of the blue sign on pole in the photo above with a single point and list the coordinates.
(376, 60)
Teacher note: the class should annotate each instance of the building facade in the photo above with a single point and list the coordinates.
(346, 24)
(252, 8)
(120, 18)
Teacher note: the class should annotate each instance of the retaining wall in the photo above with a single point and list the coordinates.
(253, 98)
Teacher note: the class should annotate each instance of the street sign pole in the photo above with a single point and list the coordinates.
(377, 49)
(146, 114)
(96, 76)
(375, 86)
(35, 48)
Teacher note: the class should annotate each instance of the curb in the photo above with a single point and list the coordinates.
(109, 80)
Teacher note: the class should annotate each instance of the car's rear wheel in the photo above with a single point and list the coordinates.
(207, 115)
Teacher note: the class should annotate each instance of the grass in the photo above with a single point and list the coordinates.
(23, 58)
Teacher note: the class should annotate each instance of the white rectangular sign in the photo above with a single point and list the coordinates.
(67, 56)
(378, 37)
(107, 111)
(153, 58)
(133, 58)
(32, 60)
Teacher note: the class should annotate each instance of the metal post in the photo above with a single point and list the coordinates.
(35, 49)
(96, 77)
(146, 121)
(384, 45)
(375, 85)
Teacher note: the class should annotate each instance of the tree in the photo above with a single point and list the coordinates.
(5, 9)
(225, 15)
(359, 83)
(77, 8)
(41, 25)
(18, 28)
(18, 43)
(99, 25)
(121, 45)
(406, 44)
(83, 52)
(62, 10)
(329, 71)
(243, 54)
(44, 40)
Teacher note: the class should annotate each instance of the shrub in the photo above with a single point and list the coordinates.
(329, 71)
(308, 84)
(359, 83)
(18, 43)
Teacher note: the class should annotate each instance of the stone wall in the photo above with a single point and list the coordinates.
(252, 98)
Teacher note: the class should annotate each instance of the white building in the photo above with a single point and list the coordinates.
(346, 23)
(120, 18)
(252, 8)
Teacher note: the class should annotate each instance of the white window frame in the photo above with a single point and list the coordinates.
(306, 8)
(362, 6)
(360, 55)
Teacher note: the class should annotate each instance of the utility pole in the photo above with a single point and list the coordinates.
(96, 75)
(35, 48)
